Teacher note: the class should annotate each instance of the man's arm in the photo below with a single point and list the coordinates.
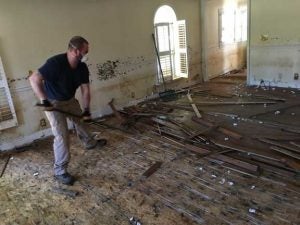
(36, 82)
(86, 96)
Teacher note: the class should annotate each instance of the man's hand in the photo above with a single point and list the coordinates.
(47, 106)
(86, 115)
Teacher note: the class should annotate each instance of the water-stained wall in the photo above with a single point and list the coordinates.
(275, 43)
(122, 59)
(220, 59)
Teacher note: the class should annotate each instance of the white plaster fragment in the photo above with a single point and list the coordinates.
(222, 181)
(252, 210)
(230, 183)
(200, 168)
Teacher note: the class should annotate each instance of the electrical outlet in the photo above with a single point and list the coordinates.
(296, 76)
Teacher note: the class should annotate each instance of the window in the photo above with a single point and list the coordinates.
(7, 111)
(165, 47)
(170, 36)
(226, 26)
(232, 25)
(241, 25)
(244, 19)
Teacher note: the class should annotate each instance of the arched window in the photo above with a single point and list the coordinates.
(170, 36)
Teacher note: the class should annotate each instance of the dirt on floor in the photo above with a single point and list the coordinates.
(187, 188)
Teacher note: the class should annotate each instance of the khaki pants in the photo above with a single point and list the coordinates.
(59, 126)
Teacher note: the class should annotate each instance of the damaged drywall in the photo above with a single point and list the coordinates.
(275, 65)
(274, 43)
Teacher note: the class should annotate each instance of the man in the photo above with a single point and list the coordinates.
(55, 84)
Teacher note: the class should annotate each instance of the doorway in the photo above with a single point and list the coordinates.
(224, 37)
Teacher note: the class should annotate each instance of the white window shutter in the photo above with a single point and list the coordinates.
(7, 112)
(182, 49)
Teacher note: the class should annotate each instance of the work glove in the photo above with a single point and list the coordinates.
(86, 115)
(47, 106)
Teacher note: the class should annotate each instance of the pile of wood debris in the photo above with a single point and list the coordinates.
(247, 141)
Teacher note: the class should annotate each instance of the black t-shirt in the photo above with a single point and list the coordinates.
(60, 80)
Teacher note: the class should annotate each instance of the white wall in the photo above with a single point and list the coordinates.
(119, 32)
(274, 43)
(220, 59)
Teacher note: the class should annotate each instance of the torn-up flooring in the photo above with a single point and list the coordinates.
(237, 164)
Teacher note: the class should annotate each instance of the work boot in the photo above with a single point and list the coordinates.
(65, 178)
(98, 143)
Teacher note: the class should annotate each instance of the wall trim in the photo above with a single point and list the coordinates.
(203, 42)
(249, 75)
